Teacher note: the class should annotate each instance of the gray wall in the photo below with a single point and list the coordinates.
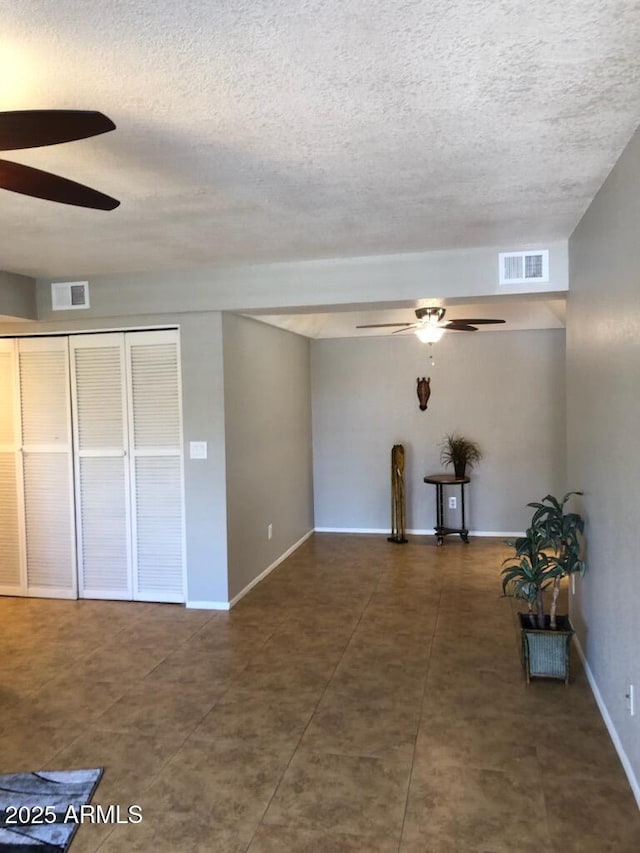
(203, 417)
(505, 390)
(17, 296)
(603, 383)
(268, 438)
(338, 281)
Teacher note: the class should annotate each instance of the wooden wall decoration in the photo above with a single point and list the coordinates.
(424, 392)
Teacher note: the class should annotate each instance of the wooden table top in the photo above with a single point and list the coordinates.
(445, 479)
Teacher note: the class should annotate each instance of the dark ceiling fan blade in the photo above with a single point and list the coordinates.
(454, 326)
(384, 325)
(481, 322)
(33, 128)
(34, 182)
(408, 328)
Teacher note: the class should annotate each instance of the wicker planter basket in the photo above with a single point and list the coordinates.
(545, 653)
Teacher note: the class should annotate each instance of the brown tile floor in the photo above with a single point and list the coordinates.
(365, 698)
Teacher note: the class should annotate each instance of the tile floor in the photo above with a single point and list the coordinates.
(365, 698)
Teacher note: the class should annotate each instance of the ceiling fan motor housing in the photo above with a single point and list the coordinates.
(433, 315)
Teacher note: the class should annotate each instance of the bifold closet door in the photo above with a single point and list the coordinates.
(155, 440)
(12, 580)
(103, 518)
(47, 467)
(127, 431)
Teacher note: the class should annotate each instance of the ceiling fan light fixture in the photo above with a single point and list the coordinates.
(430, 325)
(429, 334)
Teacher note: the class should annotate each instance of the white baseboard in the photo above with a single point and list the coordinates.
(270, 568)
(352, 530)
(208, 605)
(227, 605)
(499, 534)
(622, 755)
(42, 592)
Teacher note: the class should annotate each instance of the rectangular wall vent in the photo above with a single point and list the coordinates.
(69, 295)
(524, 267)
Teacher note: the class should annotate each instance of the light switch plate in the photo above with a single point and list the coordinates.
(198, 449)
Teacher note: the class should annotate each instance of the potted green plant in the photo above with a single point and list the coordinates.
(528, 574)
(460, 452)
(559, 531)
(549, 551)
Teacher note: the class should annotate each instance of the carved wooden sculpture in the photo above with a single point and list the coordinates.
(424, 392)
(397, 496)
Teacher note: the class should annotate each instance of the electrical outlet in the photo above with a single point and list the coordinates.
(269, 531)
(197, 449)
(453, 502)
(630, 697)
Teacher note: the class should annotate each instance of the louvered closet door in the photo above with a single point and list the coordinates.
(12, 578)
(101, 466)
(155, 437)
(47, 467)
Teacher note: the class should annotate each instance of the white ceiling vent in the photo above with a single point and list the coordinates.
(524, 267)
(68, 295)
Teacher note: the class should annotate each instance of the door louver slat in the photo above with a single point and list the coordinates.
(98, 375)
(154, 384)
(50, 548)
(103, 527)
(158, 525)
(10, 579)
(7, 413)
(44, 393)
(45, 411)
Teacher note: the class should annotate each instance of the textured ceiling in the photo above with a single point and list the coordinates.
(258, 130)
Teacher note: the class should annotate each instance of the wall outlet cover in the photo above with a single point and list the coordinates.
(197, 449)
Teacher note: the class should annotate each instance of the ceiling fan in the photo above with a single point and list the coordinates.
(35, 128)
(430, 326)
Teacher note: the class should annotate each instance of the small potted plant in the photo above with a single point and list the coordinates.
(548, 552)
(460, 452)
